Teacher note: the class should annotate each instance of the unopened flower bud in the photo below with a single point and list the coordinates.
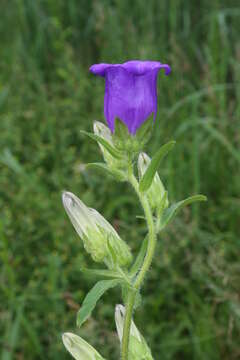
(97, 234)
(79, 348)
(85, 226)
(115, 165)
(119, 247)
(156, 194)
(138, 348)
(102, 130)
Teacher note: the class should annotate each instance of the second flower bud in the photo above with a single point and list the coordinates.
(99, 238)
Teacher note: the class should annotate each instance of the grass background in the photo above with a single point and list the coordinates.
(191, 307)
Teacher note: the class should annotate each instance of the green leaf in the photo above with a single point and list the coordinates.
(149, 174)
(92, 297)
(140, 257)
(171, 212)
(102, 166)
(115, 153)
(102, 273)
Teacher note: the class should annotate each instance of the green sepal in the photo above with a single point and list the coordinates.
(120, 131)
(169, 214)
(117, 174)
(131, 144)
(146, 180)
(121, 137)
(122, 140)
(114, 152)
(92, 297)
(143, 134)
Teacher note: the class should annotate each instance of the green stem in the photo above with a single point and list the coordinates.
(127, 325)
(145, 266)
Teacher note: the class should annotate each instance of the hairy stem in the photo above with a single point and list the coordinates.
(127, 325)
(142, 272)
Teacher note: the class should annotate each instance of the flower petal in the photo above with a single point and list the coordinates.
(129, 97)
(137, 67)
(130, 91)
(99, 69)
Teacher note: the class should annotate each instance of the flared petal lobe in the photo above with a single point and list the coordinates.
(130, 91)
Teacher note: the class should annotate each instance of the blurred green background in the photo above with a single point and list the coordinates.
(191, 306)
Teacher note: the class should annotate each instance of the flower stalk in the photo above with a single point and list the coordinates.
(145, 266)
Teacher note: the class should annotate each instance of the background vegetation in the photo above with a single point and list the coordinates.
(191, 299)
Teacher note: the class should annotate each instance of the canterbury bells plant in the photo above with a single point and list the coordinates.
(130, 108)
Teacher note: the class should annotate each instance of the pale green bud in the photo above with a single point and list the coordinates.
(85, 226)
(138, 348)
(119, 247)
(79, 348)
(156, 194)
(102, 130)
(99, 238)
(115, 165)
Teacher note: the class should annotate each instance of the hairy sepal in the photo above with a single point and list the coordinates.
(128, 143)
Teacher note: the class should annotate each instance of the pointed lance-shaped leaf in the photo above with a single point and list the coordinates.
(170, 213)
(114, 152)
(117, 174)
(92, 297)
(149, 174)
(103, 273)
